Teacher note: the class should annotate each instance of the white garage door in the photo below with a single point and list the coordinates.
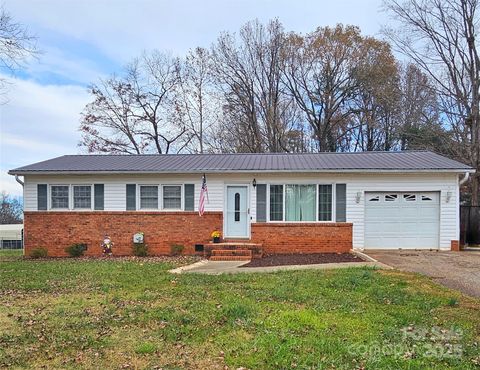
(402, 220)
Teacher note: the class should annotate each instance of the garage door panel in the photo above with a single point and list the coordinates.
(402, 220)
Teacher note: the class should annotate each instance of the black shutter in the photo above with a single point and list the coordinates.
(42, 197)
(131, 197)
(189, 197)
(99, 196)
(341, 202)
(261, 203)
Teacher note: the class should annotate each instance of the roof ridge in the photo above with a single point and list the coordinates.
(215, 154)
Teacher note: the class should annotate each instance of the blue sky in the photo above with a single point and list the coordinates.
(84, 40)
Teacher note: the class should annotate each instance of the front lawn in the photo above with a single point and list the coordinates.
(134, 314)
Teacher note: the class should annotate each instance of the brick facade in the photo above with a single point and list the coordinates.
(57, 230)
(303, 237)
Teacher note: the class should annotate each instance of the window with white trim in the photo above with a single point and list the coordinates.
(172, 197)
(148, 196)
(276, 202)
(324, 202)
(59, 196)
(300, 203)
(82, 196)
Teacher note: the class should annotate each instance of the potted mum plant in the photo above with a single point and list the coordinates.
(216, 236)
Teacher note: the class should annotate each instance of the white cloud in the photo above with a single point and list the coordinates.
(38, 123)
(123, 28)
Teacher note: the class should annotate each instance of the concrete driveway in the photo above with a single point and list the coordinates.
(456, 270)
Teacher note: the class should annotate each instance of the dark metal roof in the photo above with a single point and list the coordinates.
(187, 163)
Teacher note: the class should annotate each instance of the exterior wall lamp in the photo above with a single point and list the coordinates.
(449, 196)
(358, 196)
(254, 183)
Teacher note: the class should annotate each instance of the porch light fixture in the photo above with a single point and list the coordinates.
(254, 183)
(358, 196)
(449, 196)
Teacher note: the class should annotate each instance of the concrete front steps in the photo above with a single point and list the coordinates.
(233, 251)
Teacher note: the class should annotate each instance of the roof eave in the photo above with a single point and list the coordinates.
(67, 172)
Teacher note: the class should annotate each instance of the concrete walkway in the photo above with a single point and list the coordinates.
(233, 267)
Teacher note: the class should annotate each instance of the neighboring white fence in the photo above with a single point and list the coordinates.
(11, 236)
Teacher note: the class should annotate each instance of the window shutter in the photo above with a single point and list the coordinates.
(341, 202)
(189, 197)
(99, 196)
(42, 197)
(131, 197)
(261, 202)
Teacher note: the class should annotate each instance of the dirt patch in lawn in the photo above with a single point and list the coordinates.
(302, 259)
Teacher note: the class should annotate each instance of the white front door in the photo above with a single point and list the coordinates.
(402, 220)
(237, 212)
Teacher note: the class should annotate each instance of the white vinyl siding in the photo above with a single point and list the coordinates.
(115, 192)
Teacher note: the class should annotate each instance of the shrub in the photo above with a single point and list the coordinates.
(76, 250)
(140, 249)
(39, 252)
(176, 249)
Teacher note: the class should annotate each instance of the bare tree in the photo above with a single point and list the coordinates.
(137, 113)
(17, 45)
(248, 72)
(320, 75)
(199, 103)
(440, 37)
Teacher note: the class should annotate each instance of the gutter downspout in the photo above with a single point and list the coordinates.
(465, 179)
(19, 181)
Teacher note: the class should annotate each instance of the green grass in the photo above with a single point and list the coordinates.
(114, 313)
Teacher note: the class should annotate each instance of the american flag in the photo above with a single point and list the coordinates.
(203, 194)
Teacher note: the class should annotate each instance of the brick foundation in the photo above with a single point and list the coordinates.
(303, 237)
(455, 245)
(57, 230)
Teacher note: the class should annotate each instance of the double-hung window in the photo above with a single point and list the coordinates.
(82, 196)
(59, 196)
(172, 197)
(148, 196)
(276, 202)
(324, 202)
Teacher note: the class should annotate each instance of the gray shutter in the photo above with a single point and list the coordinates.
(341, 202)
(261, 202)
(99, 196)
(42, 197)
(189, 197)
(131, 197)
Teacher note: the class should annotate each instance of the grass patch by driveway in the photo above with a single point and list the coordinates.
(133, 313)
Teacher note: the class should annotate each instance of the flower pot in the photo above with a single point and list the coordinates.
(216, 240)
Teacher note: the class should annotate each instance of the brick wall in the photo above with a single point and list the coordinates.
(57, 230)
(303, 237)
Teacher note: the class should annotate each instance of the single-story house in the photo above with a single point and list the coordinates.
(287, 203)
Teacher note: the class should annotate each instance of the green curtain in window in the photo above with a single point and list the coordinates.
(300, 203)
